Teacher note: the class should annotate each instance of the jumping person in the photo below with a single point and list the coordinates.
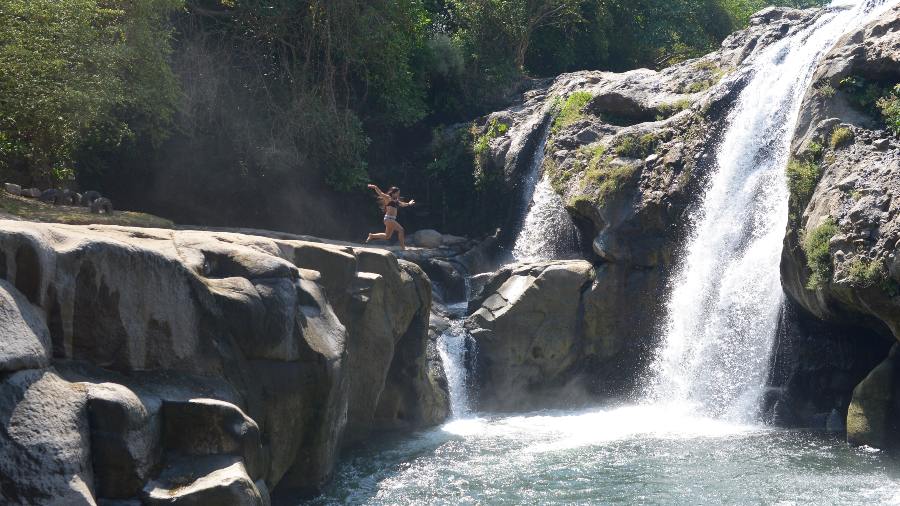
(391, 203)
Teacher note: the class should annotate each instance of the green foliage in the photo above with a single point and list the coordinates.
(571, 110)
(815, 150)
(741, 10)
(864, 273)
(495, 128)
(636, 146)
(608, 177)
(827, 90)
(80, 71)
(481, 147)
(841, 137)
(889, 105)
(669, 110)
(818, 255)
(802, 176)
(862, 92)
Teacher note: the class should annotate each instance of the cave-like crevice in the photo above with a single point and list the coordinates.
(815, 366)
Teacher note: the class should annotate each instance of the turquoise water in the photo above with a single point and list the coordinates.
(630, 455)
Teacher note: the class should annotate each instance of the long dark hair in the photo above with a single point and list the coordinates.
(381, 202)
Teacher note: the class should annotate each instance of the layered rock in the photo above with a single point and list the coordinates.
(259, 357)
(840, 254)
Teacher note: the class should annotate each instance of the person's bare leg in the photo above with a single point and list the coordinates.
(401, 233)
(390, 228)
(383, 236)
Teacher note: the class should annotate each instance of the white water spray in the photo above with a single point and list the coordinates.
(452, 347)
(723, 311)
(547, 231)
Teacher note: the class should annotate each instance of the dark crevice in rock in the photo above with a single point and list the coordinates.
(815, 366)
(28, 272)
(55, 324)
(98, 332)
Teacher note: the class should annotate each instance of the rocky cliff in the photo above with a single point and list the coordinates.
(629, 154)
(196, 367)
(841, 262)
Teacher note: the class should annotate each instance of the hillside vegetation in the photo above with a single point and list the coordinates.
(257, 112)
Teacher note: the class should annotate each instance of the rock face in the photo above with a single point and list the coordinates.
(26, 338)
(840, 257)
(257, 357)
(546, 337)
(45, 455)
(629, 154)
(873, 415)
(528, 334)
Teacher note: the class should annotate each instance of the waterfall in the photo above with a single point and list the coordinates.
(453, 344)
(723, 311)
(547, 231)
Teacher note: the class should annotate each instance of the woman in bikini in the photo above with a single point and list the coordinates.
(391, 203)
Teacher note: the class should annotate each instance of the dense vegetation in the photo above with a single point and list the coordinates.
(253, 111)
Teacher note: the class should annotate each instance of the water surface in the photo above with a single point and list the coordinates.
(626, 455)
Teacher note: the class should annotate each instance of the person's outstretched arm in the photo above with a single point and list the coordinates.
(377, 191)
(407, 204)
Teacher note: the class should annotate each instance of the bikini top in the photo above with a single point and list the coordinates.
(394, 203)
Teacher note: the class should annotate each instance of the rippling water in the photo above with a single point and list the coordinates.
(627, 455)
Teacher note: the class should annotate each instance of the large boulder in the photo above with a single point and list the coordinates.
(203, 481)
(200, 427)
(872, 418)
(293, 369)
(26, 340)
(528, 334)
(628, 159)
(427, 238)
(125, 440)
(44, 441)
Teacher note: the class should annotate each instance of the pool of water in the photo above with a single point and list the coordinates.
(624, 455)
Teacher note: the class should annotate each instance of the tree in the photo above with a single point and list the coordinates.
(71, 71)
(511, 23)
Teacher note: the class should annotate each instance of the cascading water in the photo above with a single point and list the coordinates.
(453, 344)
(694, 440)
(547, 231)
(723, 311)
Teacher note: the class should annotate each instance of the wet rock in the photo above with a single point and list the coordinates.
(12, 189)
(448, 279)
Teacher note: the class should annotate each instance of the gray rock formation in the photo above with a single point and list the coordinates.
(839, 261)
(550, 334)
(45, 453)
(26, 340)
(873, 416)
(211, 347)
